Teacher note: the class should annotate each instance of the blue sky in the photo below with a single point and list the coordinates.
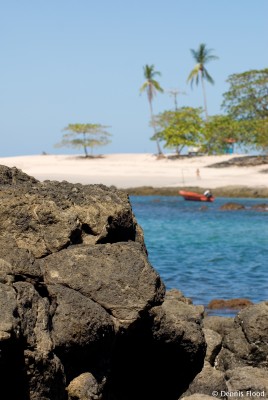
(82, 61)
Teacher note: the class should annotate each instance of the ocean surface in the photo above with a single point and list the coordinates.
(205, 252)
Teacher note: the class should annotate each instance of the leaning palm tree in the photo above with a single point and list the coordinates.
(152, 87)
(202, 56)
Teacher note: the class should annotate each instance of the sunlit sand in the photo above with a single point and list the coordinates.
(136, 170)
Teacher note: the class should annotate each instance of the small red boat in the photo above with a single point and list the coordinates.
(193, 196)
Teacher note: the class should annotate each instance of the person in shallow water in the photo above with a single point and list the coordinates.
(208, 194)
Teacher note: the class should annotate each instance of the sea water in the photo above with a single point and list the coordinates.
(206, 252)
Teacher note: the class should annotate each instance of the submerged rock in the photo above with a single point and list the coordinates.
(232, 206)
(233, 304)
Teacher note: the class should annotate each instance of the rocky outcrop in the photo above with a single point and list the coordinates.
(245, 161)
(83, 313)
(231, 304)
(232, 206)
(246, 344)
(236, 358)
(247, 382)
(85, 316)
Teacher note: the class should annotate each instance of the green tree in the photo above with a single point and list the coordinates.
(180, 128)
(261, 134)
(84, 136)
(247, 97)
(221, 131)
(151, 86)
(247, 101)
(202, 56)
(256, 134)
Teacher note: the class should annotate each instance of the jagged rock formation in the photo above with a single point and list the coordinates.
(236, 363)
(83, 313)
(245, 161)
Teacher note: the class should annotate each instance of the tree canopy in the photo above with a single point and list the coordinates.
(247, 100)
(151, 86)
(179, 128)
(84, 136)
(247, 97)
(220, 132)
(202, 56)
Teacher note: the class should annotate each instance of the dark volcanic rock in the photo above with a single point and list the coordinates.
(207, 382)
(14, 176)
(247, 382)
(176, 330)
(85, 316)
(221, 325)
(246, 343)
(232, 206)
(234, 304)
(116, 276)
(83, 313)
(245, 161)
(47, 217)
(160, 361)
(260, 207)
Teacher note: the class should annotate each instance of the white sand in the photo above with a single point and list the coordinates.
(135, 170)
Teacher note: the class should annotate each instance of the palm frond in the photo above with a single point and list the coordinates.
(194, 75)
(149, 72)
(206, 76)
(144, 86)
(194, 54)
(157, 86)
(203, 55)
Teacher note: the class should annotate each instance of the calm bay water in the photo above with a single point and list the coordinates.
(206, 253)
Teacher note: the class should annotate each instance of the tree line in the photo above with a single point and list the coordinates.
(244, 121)
(245, 104)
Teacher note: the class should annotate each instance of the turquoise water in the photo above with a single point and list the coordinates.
(206, 253)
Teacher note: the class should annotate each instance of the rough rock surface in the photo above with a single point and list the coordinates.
(177, 331)
(248, 382)
(245, 161)
(198, 396)
(246, 344)
(83, 313)
(207, 382)
(85, 316)
(232, 206)
(236, 358)
(236, 304)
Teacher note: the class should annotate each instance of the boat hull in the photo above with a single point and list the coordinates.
(193, 196)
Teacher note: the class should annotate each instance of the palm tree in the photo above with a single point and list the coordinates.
(202, 56)
(152, 87)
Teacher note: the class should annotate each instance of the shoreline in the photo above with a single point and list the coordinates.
(147, 174)
(225, 191)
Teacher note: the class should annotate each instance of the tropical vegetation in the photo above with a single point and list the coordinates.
(247, 101)
(247, 97)
(202, 56)
(84, 136)
(179, 128)
(244, 123)
(151, 86)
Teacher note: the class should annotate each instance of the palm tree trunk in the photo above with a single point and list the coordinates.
(205, 97)
(152, 119)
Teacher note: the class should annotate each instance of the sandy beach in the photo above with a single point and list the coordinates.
(137, 170)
